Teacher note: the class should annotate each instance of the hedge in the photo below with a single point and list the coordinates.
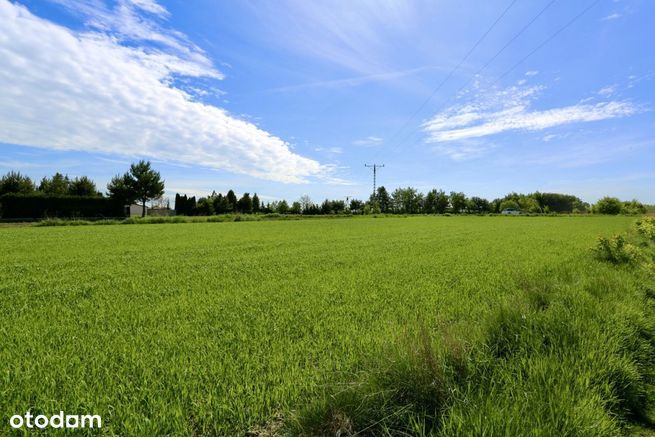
(36, 206)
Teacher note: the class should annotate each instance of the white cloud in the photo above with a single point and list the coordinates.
(612, 16)
(332, 150)
(369, 141)
(150, 6)
(86, 91)
(531, 73)
(509, 110)
(607, 91)
(126, 21)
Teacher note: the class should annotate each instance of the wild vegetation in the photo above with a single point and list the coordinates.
(419, 325)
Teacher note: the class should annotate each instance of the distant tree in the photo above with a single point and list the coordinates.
(326, 207)
(296, 208)
(383, 199)
(430, 202)
(457, 202)
(180, 204)
(407, 200)
(528, 204)
(441, 202)
(633, 207)
(205, 206)
(58, 185)
(221, 204)
(255, 203)
(140, 183)
(556, 202)
(14, 182)
(494, 205)
(120, 189)
(608, 205)
(231, 201)
(311, 209)
(478, 205)
(305, 202)
(244, 205)
(146, 183)
(282, 207)
(83, 186)
(508, 204)
(333, 206)
(338, 206)
(356, 206)
(185, 205)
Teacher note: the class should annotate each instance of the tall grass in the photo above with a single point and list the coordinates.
(573, 353)
(420, 325)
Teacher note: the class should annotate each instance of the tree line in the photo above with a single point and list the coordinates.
(61, 196)
(407, 201)
(57, 185)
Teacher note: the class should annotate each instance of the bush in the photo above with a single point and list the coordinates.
(633, 207)
(616, 250)
(608, 205)
(647, 227)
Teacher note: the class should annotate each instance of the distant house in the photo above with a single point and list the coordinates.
(135, 210)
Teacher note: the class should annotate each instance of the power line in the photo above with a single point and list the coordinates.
(547, 40)
(532, 52)
(454, 69)
(511, 40)
(479, 70)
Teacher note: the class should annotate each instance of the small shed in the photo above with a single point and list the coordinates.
(135, 210)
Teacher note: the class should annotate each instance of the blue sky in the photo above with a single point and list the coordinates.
(289, 98)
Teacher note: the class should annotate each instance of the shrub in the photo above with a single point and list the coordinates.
(608, 205)
(633, 207)
(616, 250)
(646, 227)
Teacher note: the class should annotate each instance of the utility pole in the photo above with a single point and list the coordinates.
(375, 168)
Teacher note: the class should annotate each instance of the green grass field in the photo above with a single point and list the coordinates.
(217, 328)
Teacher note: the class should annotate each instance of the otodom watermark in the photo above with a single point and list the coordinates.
(61, 420)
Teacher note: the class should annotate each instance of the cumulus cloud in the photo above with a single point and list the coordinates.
(89, 91)
(509, 109)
